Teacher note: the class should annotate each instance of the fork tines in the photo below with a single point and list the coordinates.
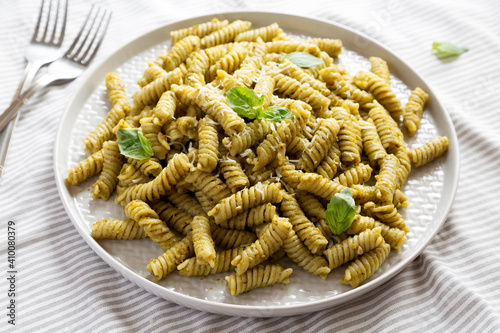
(90, 37)
(47, 22)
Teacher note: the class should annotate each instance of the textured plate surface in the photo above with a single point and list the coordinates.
(430, 189)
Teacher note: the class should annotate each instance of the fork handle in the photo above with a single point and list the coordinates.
(5, 137)
(12, 110)
(32, 67)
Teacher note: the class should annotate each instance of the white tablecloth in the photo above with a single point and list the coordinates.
(454, 285)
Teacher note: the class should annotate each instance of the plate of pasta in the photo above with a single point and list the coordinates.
(256, 163)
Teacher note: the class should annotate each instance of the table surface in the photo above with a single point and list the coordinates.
(454, 285)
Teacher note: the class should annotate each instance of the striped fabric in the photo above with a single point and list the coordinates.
(453, 286)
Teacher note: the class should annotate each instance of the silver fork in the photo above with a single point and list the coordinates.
(71, 65)
(44, 48)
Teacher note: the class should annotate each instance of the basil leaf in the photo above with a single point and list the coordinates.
(303, 59)
(340, 212)
(275, 113)
(447, 50)
(244, 101)
(134, 144)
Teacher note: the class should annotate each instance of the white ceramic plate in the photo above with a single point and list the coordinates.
(430, 189)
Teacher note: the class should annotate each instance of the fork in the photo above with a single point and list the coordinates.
(44, 46)
(43, 49)
(71, 65)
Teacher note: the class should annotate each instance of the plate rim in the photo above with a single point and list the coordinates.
(237, 309)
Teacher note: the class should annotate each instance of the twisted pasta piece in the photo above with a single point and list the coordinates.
(188, 126)
(381, 91)
(168, 261)
(173, 217)
(259, 276)
(301, 255)
(151, 73)
(330, 163)
(194, 111)
(300, 110)
(117, 229)
(387, 128)
(86, 168)
(208, 145)
(263, 175)
(267, 33)
(359, 174)
(353, 246)
(364, 267)
(265, 87)
(379, 67)
(350, 142)
(203, 243)
(130, 175)
(342, 88)
(363, 193)
(371, 142)
(333, 47)
(290, 87)
(152, 92)
(297, 145)
(174, 135)
(116, 91)
(149, 220)
(305, 229)
(288, 175)
(319, 185)
(251, 134)
(269, 242)
(289, 68)
(268, 150)
(321, 142)
(213, 104)
(200, 30)
(199, 63)
(414, 109)
(250, 218)
(210, 185)
(112, 164)
(429, 151)
(176, 169)
(387, 178)
(225, 34)
(148, 167)
(404, 165)
(190, 267)
(165, 108)
(245, 199)
(232, 172)
(400, 199)
(229, 62)
(392, 236)
(243, 76)
(231, 238)
(205, 201)
(325, 229)
(186, 202)
(179, 52)
(311, 206)
(151, 132)
(104, 131)
(387, 214)
(285, 46)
